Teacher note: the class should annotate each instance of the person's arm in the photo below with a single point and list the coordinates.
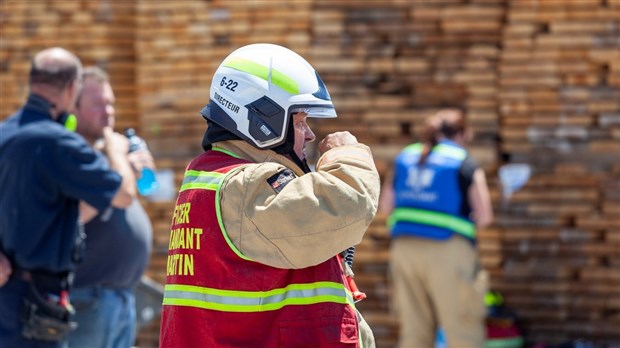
(312, 218)
(80, 171)
(5, 269)
(386, 199)
(116, 147)
(480, 201)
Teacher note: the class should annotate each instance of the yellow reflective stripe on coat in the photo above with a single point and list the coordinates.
(195, 179)
(433, 218)
(256, 301)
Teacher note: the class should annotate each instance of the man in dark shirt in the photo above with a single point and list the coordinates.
(118, 242)
(50, 178)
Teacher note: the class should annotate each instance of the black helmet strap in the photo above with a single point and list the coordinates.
(288, 148)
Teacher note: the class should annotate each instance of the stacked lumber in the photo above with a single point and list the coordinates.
(388, 66)
(99, 33)
(540, 81)
(554, 251)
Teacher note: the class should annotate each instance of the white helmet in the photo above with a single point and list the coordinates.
(256, 89)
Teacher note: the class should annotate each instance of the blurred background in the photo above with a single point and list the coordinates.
(539, 79)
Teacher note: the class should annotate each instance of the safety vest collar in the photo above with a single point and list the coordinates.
(195, 179)
(433, 218)
(228, 152)
(256, 301)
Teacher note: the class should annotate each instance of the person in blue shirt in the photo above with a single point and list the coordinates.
(51, 180)
(437, 199)
(103, 295)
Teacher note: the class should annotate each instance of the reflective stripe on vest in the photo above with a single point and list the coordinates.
(442, 149)
(256, 301)
(202, 180)
(433, 218)
(195, 179)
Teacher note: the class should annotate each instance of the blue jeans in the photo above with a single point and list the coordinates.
(11, 306)
(106, 318)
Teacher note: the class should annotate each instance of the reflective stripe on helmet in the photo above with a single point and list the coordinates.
(256, 301)
(433, 218)
(277, 78)
(317, 111)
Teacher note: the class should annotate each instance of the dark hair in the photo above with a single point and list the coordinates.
(58, 76)
(446, 123)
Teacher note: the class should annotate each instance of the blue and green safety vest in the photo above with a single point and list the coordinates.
(429, 197)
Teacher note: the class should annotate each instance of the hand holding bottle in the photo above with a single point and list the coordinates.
(139, 160)
(142, 162)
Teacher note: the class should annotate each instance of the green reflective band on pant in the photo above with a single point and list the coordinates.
(448, 151)
(514, 342)
(256, 301)
(426, 217)
(195, 179)
(277, 78)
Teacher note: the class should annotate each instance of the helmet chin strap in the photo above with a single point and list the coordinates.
(303, 164)
(215, 133)
(288, 148)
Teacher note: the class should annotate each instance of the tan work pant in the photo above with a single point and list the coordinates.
(437, 284)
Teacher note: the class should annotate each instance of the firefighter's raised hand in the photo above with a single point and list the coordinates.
(336, 140)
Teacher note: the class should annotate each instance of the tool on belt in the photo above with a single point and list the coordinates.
(346, 257)
(47, 312)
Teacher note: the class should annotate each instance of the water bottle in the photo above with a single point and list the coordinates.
(440, 338)
(147, 183)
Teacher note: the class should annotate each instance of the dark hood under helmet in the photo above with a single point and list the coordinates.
(216, 133)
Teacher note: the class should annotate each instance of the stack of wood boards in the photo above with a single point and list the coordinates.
(540, 81)
(554, 252)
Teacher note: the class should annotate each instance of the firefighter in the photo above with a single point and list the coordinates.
(255, 238)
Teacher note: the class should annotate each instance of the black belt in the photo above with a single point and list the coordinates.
(45, 280)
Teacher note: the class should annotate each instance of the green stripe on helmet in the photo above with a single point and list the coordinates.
(277, 78)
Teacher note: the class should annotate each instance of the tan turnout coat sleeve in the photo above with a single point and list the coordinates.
(314, 217)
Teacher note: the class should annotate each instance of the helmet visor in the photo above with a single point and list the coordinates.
(315, 111)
